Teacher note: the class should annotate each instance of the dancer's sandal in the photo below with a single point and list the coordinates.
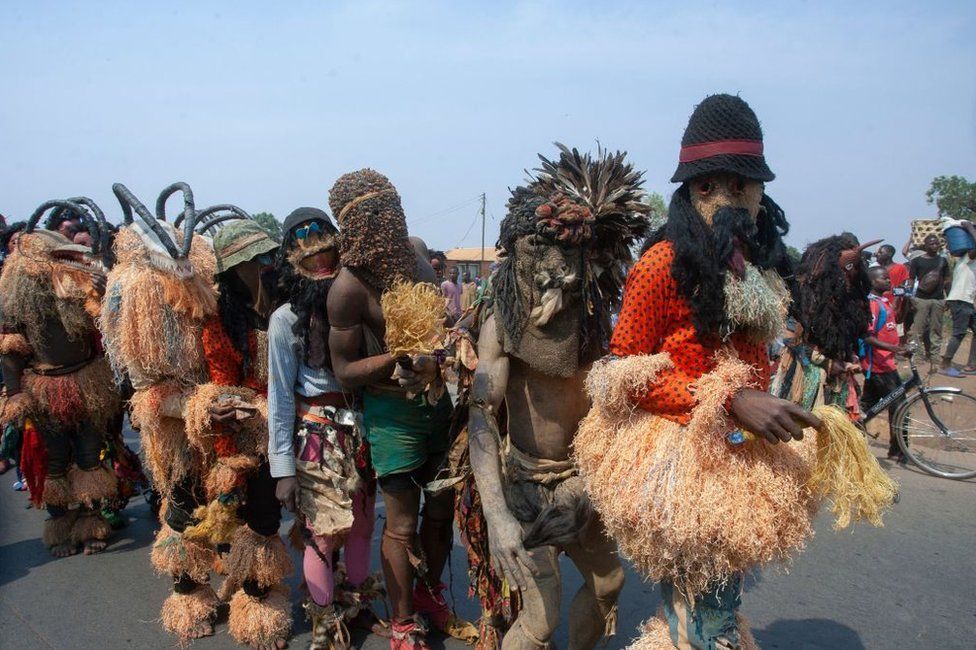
(329, 630)
(408, 634)
(431, 603)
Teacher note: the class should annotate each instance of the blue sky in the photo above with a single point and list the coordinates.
(266, 104)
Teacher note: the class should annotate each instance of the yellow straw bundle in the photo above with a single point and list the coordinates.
(847, 473)
(218, 523)
(414, 315)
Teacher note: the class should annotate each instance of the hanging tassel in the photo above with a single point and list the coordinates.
(847, 472)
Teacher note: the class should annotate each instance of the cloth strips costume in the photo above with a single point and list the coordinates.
(314, 434)
(60, 391)
(192, 354)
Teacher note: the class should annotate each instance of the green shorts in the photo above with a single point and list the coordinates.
(402, 433)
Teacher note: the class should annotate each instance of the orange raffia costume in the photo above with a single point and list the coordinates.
(162, 329)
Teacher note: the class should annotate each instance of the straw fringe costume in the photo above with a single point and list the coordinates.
(163, 330)
(693, 501)
(60, 388)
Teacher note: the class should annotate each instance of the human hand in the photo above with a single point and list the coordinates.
(220, 413)
(286, 491)
(415, 377)
(772, 418)
(510, 557)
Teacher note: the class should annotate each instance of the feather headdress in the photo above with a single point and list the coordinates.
(595, 202)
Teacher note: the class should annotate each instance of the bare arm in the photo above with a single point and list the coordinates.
(347, 311)
(504, 531)
(875, 342)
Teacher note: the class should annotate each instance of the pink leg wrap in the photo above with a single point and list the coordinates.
(319, 574)
(360, 537)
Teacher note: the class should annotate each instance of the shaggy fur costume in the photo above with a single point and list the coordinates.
(173, 555)
(151, 320)
(58, 492)
(15, 345)
(89, 486)
(259, 622)
(90, 526)
(250, 438)
(683, 504)
(264, 560)
(57, 530)
(86, 395)
(16, 408)
(163, 438)
(183, 614)
(36, 289)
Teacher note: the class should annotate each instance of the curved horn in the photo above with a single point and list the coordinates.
(54, 203)
(204, 226)
(102, 239)
(189, 217)
(94, 221)
(235, 213)
(170, 190)
(129, 201)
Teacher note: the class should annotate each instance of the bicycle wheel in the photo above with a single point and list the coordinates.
(948, 454)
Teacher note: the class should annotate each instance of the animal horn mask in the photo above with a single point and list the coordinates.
(129, 203)
(91, 217)
(217, 214)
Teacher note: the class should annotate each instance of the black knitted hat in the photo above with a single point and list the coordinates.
(723, 135)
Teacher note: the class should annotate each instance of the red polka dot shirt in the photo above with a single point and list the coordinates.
(656, 318)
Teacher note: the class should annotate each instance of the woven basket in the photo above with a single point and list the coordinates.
(922, 228)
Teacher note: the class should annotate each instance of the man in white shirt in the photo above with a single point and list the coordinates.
(960, 301)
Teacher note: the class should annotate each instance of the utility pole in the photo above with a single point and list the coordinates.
(481, 269)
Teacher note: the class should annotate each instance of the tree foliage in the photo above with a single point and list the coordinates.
(954, 196)
(659, 210)
(269, 223)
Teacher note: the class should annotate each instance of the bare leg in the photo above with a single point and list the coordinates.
(540, 605)
(593, 611)
(436, 533)
(397, 547)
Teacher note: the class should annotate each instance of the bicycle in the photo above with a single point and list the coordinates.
(920, 423)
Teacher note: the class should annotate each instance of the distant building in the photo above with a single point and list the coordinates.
(468, 260)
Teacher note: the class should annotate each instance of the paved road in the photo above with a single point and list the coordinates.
(907, 585)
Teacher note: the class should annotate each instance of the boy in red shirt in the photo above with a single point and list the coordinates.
(880, 369)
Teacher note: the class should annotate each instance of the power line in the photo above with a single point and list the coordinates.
(447, 210)
(468, 231)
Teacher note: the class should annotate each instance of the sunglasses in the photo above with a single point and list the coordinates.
(306, 231)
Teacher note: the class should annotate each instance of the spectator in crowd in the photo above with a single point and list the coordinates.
(878, 363)
(897, 272)
(452, 294)
(469, 291)
(438, 267)
(931, 271)
(962, 295)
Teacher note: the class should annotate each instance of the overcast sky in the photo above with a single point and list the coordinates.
(266, 104)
